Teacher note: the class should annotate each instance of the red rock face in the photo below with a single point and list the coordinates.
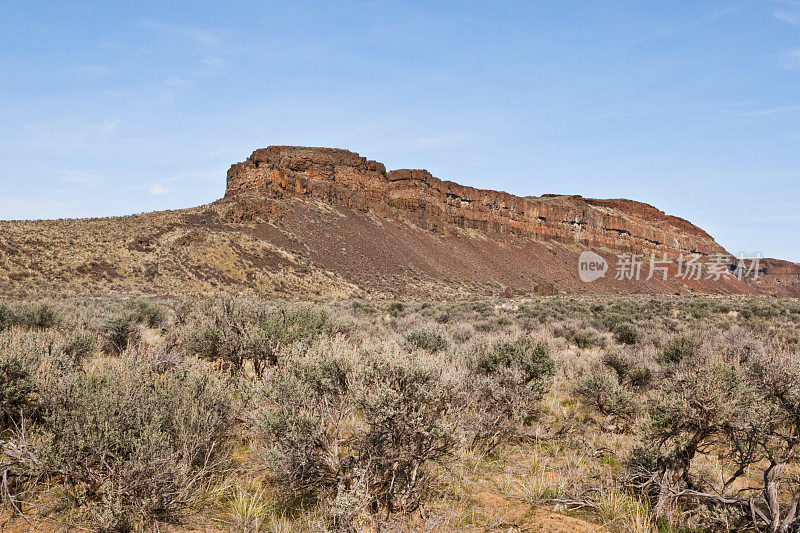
(343, 177)
(611, 227)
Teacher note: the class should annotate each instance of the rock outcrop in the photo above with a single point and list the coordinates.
(345, 178)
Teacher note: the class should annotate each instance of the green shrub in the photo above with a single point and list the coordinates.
(628, 369)
(260, 347)
(485, 326)
(426, 309)
(7, 318)
(40, 315)
(426, 339)
(305, 406)
(700, 310)
(217, 332)
(130, 443)
(443, 317)
(626, 333)
(334, 430)
(461, 333)
(405, 406)
(530, 357)
(79, 345)
(234, 333)
(396, 309)
(602, 390)
(204, 340)
(503, 389)
(679, 348)
(480, 308)
(618, 362)
(365, 307)
(581, 338)
(305, 323)
(232, 346)
(145, 312)
(18, 390)
(640, 376)
(119, 331)
(692, 411)
(585, 339)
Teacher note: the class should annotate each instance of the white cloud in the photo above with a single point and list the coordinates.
(81, 178)
(173, 81)
(197, 35)
(790, 59)
(188, 34)
(787, 16)
(99, 71)
(109, 126)
(212, 61)
(772, 111)
(69, 133)
(435, 142)
(158, 190)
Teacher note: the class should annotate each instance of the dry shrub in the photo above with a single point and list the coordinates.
(130, 444)
(602, 390)
(30, 315)
(505, 383)
(18, 391)
(238, 331)
(426, 339)
(626, 333)
(356, 439)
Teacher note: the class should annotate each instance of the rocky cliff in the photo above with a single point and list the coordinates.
(345, 178)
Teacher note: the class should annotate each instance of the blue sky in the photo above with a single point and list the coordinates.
(114, 108)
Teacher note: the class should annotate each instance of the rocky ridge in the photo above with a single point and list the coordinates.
(345, 178)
